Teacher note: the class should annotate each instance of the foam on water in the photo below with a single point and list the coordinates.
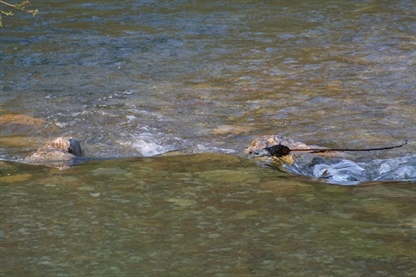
(347, 172)
(403, 168)
(148, 144)
(343, 172)
(205, 148)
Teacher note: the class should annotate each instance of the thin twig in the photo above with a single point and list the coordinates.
(20, 7)
(282, 150)
(8, 4)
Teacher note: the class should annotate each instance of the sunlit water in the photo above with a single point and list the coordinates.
(141, 78)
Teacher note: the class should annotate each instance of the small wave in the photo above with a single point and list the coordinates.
(204, 148)
(148, 144)
(347, 172)
(403, 168)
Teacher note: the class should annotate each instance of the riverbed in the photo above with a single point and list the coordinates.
(202, 79)
(199, 215)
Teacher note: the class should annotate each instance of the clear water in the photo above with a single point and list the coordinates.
(141, 78)
(199, 215)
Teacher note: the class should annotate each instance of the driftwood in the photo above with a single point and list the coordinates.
(281, 150)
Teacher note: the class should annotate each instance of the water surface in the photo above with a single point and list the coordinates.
(206, 214)
(140, 78)
(144, 77)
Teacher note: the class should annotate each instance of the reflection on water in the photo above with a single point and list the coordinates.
(205, 214)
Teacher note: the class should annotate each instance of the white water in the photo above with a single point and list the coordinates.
(348, 172)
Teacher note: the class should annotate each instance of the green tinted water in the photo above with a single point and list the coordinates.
(205, 214)
(138, 78)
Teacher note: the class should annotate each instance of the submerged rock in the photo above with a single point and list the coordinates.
(20, 119)
(61, 152)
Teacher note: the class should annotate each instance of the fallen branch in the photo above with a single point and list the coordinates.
(281, 150)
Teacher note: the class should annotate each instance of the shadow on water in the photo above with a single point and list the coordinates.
(201, 214)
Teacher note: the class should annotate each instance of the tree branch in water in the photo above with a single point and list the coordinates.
(281, 150)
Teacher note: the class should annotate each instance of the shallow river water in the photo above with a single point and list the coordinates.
(136, 79)
(199, 215)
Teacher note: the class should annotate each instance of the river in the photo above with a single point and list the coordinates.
(137, 79)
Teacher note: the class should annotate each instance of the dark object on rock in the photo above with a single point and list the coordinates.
(278, 150)
(259, 145)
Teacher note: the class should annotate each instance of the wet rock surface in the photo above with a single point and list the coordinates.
(61, 152)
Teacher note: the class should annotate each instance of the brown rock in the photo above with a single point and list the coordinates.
(257, 149)
(66, 144)
(60, 152)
